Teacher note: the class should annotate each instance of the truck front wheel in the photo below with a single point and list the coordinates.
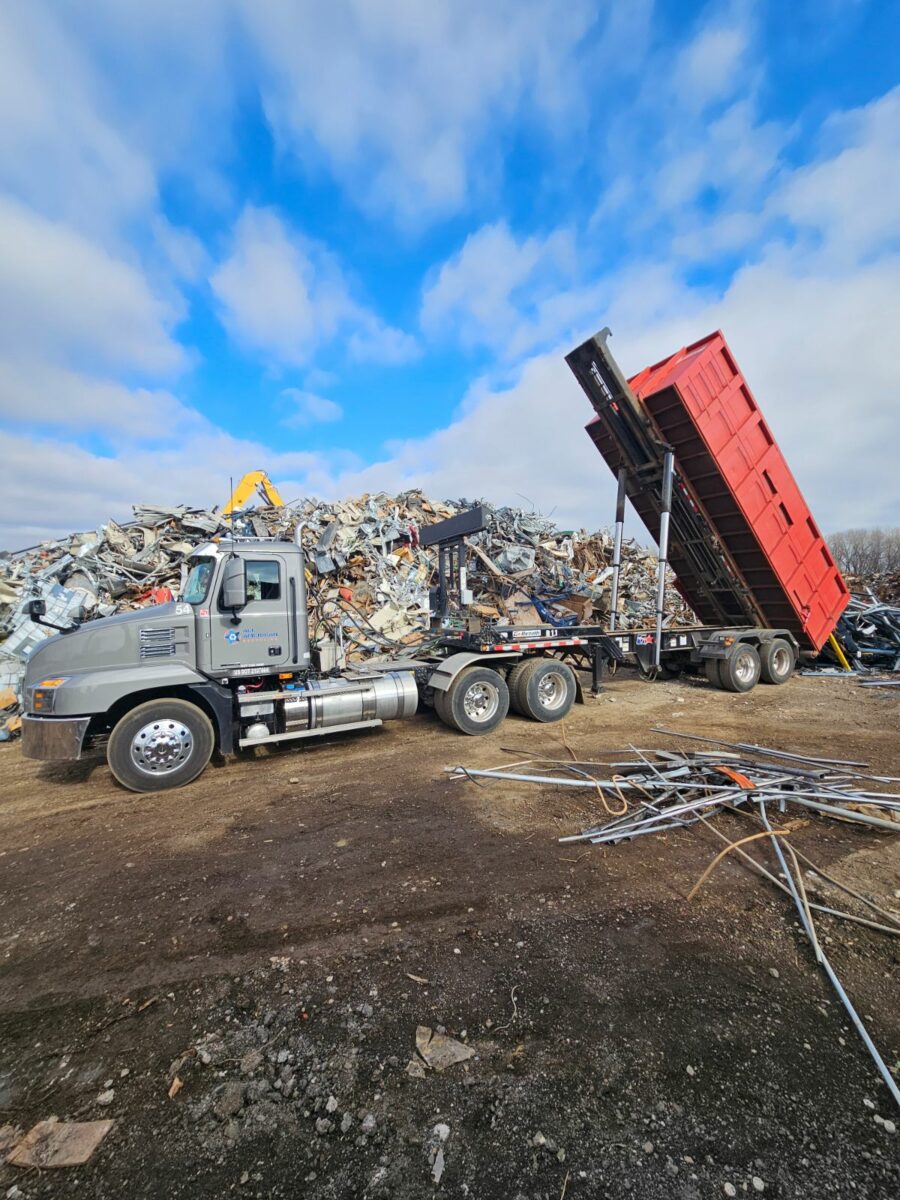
(475, 702)
(159, 745)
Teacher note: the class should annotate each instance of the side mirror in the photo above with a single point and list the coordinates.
(36, 608)
(234, 584)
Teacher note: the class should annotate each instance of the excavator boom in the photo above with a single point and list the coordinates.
(253, 481)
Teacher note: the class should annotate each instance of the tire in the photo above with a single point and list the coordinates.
(512, 682)
(776, 661)
(739, 672)
(440, 706)
(476, 701)
(159, 745)
(544, 689)
(711, 667)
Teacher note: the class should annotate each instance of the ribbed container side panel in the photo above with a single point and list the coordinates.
(726, 453)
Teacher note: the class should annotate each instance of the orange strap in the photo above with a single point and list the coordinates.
(745, 783)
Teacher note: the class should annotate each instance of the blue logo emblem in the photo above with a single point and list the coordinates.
(233, 636)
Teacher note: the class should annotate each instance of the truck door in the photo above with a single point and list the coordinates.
(262, 638)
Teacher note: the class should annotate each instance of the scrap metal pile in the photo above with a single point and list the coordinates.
(369, 578)
(870, 628)
(663, 791)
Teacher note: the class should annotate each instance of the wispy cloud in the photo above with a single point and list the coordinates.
(285, 295)
(486, 292)
(309, 409)
(401, 98)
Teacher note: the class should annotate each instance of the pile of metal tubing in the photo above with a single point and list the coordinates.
(659, 791)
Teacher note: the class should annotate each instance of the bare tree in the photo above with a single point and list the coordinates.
(866, 551)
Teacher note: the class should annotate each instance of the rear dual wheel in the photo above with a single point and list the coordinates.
(745, 665)
(542, 689)
(479, 698)
(777, 661)
(738, 672)
(475, 702)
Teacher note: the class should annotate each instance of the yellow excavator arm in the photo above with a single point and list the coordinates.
(253, 481)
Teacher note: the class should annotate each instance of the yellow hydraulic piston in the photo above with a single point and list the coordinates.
(253, 481)
(839, 652)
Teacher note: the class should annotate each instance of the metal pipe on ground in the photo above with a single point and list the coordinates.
(809, 929)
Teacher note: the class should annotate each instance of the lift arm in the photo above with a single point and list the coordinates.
(253, 481)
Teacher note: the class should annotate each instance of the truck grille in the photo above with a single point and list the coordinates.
(158, 643)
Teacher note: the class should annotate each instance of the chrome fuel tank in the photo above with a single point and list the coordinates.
(324, 703)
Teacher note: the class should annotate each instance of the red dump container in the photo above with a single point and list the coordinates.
(726, 454)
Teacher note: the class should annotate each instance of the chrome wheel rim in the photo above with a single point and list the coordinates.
(481, 701)
(744, 667)
(781, 661)
(552, 690)
(160, 746)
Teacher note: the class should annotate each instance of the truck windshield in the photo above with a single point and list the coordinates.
(198, 581)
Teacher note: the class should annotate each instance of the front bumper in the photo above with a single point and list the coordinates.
(54, 739)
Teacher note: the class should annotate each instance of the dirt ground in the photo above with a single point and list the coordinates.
(271, 936)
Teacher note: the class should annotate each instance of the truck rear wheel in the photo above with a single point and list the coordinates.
(776, 661)
(159, 745)
(711, 667)
(739, 672)
(542, 688)
(439, 705)
(475, 702)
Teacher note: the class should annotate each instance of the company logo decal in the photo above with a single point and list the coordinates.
(248, 635)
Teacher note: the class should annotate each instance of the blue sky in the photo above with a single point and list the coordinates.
(351, 243)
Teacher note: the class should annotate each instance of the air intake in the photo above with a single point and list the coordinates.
(158, 643)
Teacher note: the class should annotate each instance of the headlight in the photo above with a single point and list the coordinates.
(43, 698)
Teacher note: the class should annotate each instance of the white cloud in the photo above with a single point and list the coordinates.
(285, 295)
(708, 68)
(735, 155)
(525, 440)
(63, 295)
(851, 198)
(265, 288)
(40, 394)
(485, 292)
(398, 96)
(68, 487)
(310, 409)
(59, 150)
(369, 339)
(74, 315)
(182, 251)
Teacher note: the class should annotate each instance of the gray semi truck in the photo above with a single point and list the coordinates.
(230, 665)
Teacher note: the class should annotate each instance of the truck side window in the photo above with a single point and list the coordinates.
(263, 580)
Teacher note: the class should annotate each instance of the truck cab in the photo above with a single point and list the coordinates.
(167, 685)
(247, 598)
